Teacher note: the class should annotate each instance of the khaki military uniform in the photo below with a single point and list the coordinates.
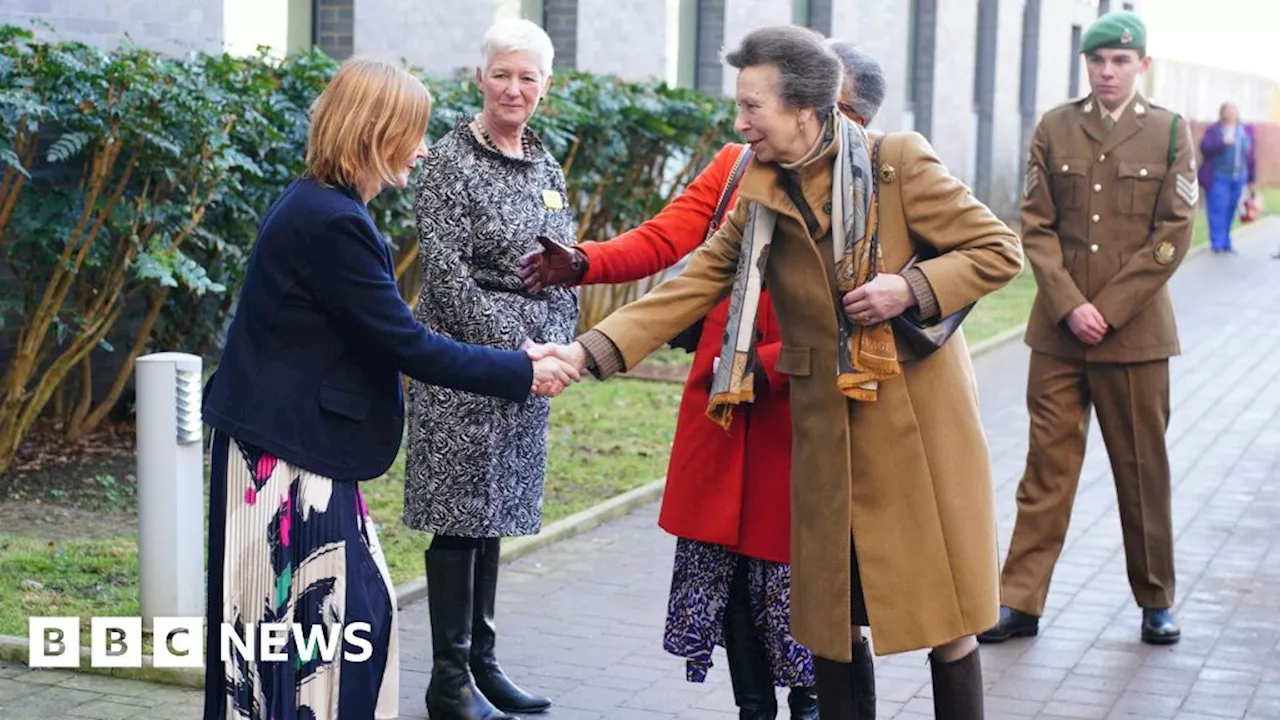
(1107, 219)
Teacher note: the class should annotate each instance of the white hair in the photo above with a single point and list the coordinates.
(515, 35)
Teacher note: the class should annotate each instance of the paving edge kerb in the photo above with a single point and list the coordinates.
(14, 649)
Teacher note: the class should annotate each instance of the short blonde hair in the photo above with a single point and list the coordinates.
(371, 111)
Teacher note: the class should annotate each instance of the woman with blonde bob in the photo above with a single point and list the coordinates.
(306, 403)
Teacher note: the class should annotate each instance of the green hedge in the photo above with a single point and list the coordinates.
(131, 186)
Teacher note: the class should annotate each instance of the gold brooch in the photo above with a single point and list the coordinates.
(888, 174)
(1165, 252)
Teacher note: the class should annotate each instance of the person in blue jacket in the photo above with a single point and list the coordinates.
(306, 402)
(1230, 168)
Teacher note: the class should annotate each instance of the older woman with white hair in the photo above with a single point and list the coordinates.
(475, 466)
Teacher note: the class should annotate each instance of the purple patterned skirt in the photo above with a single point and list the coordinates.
(701, 578)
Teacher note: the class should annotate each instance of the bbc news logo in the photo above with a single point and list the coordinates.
(54, 642)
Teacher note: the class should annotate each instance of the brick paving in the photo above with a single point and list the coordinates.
(582, 620)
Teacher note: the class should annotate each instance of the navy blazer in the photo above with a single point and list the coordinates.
(312, 363)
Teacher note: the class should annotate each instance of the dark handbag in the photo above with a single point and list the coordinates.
(687, 339)
(923, 337)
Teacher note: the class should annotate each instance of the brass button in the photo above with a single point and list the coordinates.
(1096, 218)
(1102, 157)
(1097, 187)
(1066, 168)
(1142, 172)
(1093, 248)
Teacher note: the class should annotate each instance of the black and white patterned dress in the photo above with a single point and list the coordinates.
(475, 465)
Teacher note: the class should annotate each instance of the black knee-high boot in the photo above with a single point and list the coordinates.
(490, 678)
(847, 691)
(452, 693)
(957, 687)
(749, 669)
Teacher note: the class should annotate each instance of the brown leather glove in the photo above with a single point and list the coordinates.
(554, 265)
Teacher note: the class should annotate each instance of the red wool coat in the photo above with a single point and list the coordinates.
(731, 488)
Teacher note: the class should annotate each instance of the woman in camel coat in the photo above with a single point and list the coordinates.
(892, 502)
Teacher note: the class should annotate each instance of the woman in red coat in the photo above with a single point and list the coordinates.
(727, 497)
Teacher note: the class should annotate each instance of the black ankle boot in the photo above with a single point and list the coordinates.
(957, 688)
(490, 678)
(750, 672)
(803, 702)
(452, 693)
(847, 691)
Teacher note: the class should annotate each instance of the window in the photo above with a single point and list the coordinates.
(801, 13)
(1073, 83)
(687, 54)
(922, 46)
(301, 32)
(534, 10)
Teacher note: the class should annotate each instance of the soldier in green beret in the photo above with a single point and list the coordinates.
(1108, 206)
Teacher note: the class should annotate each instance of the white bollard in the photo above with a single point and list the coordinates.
(171, 577)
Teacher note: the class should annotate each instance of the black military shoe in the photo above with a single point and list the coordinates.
(1013, 624)
(1160, 628)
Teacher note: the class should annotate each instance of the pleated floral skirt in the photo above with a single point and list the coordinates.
(289, 546)
(703, 575)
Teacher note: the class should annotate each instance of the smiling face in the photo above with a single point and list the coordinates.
(513, 86)
(1113, 74)
(773, 130)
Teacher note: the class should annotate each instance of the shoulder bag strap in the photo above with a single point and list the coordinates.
(731, 184)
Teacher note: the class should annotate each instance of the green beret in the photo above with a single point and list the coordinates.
(1121, 30)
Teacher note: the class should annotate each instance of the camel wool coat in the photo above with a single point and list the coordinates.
(907, 476)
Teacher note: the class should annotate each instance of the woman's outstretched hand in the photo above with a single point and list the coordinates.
(555, 367)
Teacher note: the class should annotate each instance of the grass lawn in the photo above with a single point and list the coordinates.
(605, 439)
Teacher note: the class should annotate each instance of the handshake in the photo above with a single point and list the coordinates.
(555, 367)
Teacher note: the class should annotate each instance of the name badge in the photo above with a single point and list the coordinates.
(552, 199)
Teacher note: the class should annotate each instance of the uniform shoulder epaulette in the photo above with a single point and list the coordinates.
(1074, 102)
(1066, 106)
(1153, 105)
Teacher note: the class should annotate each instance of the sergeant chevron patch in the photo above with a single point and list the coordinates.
(1032, 180)
(1187, 189)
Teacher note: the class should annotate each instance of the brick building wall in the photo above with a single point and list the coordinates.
(879, 27)
(440, 37)
(740, 18)
(173, 27)
(954, 129)
(627, 38)
(1006, 148)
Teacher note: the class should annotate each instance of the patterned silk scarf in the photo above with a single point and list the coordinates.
(864, 355)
